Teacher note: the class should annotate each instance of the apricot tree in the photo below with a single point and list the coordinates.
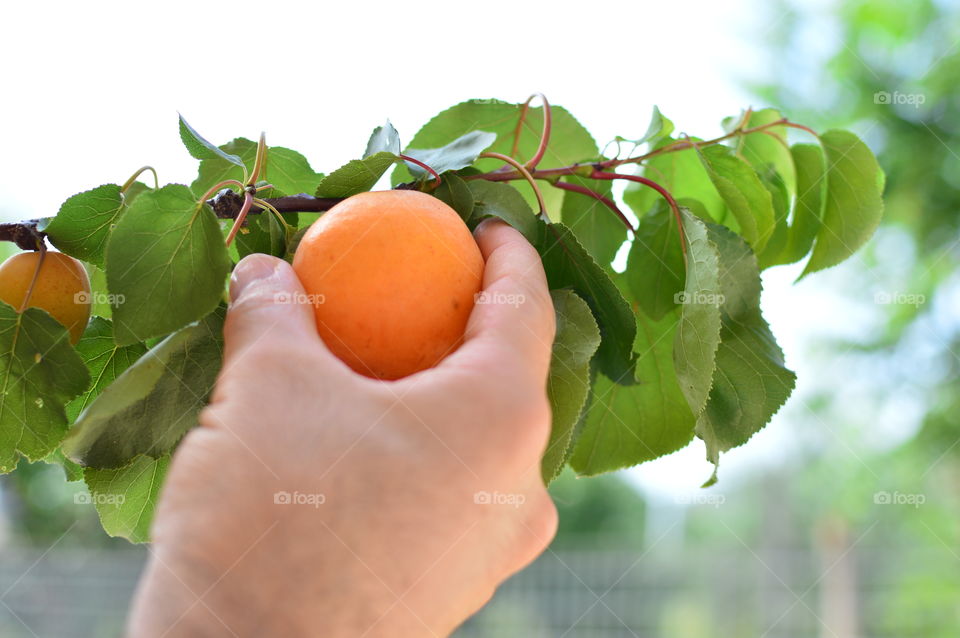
(660, 335)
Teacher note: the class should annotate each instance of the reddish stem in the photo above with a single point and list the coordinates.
(544, 136)
(583, 190)
(660, 189)
(414, 160)
(679, 145)
(242, 215)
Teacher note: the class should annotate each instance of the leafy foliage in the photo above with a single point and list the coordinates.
(166, 264)
(673, 346)
(39, 373)
(126, 497)
(569, 382)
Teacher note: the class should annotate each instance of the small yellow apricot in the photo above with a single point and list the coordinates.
(62, 288)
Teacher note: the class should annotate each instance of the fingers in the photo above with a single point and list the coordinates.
(512, 325)
(268, 303)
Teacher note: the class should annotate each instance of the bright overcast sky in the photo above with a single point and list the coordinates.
(92, 90)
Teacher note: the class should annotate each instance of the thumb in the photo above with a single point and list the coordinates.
(267, 302)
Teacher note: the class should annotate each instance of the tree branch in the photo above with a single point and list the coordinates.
(24, 234)
(227, 204)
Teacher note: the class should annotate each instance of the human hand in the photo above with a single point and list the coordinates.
(388, 532)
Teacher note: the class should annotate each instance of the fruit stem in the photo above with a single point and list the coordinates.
(414, 160)
(526, 175)
(241, 216)
(133, 178)
(598, 174)
(583, 190)
(42, 247)
(262, 203)
(260, 162)
(217, 187)
(544, 136)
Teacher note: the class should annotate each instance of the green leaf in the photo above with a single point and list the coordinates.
(568, 264)
(133, 191)
(126, 497)
(459, 153)
(262, 234)
(71, 471)
(627, 425)
(85, 220)
(854, 201)
(659, 128)
(383, 139)
(750, 382)
(149, 407)
(780, 198)
(568, 383)
(655, 270)
(100, 303)
(39, 373)
(166, 264)
(570, 142)
(680, 172)
(287, 170)
(698, 335)
(496, 199)
(744, 193)
(455, 193)
(290, 172)
(597, 227)
(104, 359)
(215, 170)
(811, 196)
(356, 176)
(768, 150)
(202, 149)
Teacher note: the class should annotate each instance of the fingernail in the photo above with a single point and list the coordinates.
(251, 269)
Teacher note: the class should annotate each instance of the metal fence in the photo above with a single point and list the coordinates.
(701, 593)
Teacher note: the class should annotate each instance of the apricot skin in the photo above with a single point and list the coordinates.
(392, 276)
(62, 288)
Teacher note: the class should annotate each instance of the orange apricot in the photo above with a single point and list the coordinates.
(392, 276)
(62, 288)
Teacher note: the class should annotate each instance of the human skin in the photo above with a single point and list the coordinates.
(392, 536)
